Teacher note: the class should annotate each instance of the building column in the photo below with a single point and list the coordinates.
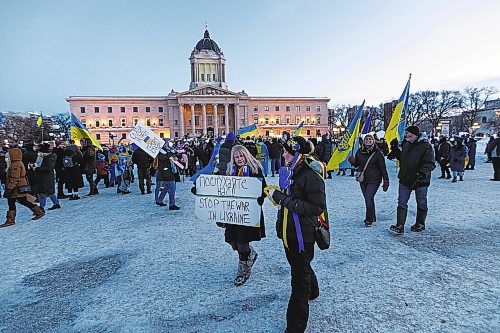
(216, 121)
(193, 125)
(204, 118)
(181, 121)
(226, 115)
(236, 117)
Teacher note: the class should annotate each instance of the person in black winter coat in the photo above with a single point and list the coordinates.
(165, 177)
(303, 199)
(373, 173)
(275, 152)
(89, 159)
(472, 145)
(225, 153)
(324, 151)
(493, 150)
(72, 171)
(143, 161)
(416, 160)
(443, 157)
(44, 187)
(29, 159)
(59, 151)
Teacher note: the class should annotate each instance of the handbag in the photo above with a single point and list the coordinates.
(322, 236)
(360, 175)
(23, 189)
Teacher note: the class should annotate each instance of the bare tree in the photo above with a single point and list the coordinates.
(63, 120)
(17, 128)
(473, 100)
(441, 106)
(417, 104)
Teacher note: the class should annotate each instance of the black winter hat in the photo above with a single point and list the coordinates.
(413, 130)
(297, 144)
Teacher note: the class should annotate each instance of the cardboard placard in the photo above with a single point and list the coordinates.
(145, 138)
(228, 186)
(230, 210)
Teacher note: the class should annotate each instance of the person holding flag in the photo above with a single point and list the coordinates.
(302, 198)
(416, 160)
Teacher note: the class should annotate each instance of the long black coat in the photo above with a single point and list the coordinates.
(443, 151)
(308, 201)
(472, 145)
(415, 157)
(142, 159)
(225, 156)
(73, 176)
(164, 172)
(324, 150)
(242, 234)
(275, 150)
(88, 160)
(45, 175)
(376, 169)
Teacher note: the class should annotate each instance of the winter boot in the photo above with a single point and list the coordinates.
(39, 212)
(461, 178)
(244, 271)
(454, 180)
(398, 228)
(252, 257)
(448, 177)
(442, 177)
(56, 206)
(62, 196)
(11, 219)
(369, 222)
(420, 221)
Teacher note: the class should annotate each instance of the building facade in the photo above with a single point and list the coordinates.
(208, 108)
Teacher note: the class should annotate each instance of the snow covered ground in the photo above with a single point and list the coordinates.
(116, 263)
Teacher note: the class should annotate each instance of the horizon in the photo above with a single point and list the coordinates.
(344, 52)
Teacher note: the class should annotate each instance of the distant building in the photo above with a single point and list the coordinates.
(207, 108)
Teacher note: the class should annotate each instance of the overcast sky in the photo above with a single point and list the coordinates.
(344, 50)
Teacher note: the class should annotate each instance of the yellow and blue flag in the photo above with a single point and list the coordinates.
(247, 131)
(397, 125)
(366, 126)
(39, 121)
(298, 131)
(78, 132)
(347, 142)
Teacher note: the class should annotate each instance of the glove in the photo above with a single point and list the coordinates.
(394, 143)
(351, 159)
(284, 177)
(385, 186)
(260, 201)
(220, 224)
(193, 190)
(421, 176)
(281, 198)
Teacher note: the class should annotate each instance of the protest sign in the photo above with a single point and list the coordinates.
(145, 138)
(228, 186)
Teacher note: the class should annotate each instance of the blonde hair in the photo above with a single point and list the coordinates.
(252, 162)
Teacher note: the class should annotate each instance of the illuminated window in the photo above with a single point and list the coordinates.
(110, 122)
(148, 121)
(123, 122)
(135, 120)
(160, 122)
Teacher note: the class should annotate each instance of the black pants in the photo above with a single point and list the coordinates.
(303, 282)
(106, 180)
(90, 180)
(444, 168)
(496, 167)
(369, 191)
(60, 183)
(144, 174)
(23, 201)
(243, 250)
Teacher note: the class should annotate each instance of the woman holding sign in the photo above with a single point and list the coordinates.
(243, 164)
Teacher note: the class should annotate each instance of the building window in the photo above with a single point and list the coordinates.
(277, 108)
(176, 134)
(267, 133)
(148, 109)
(266, 108)
(97, 123)
(96, 109)
(135, 109)
(122, 109)
(83, 121)
(308, 132)
(255, 109)
(160, 121)
(98, 136)
(318, 132)
(124, 135)
(208, 77)
(209, 120)
(297, 108)
(267, 120)
(213, 77)
(176, 122)
(308, 120)
(223, 120)
(203, 77)
(135, 120)
(297, 120)
(308, 108)
(197, 121)
(255, 120)
(277, 120)
(110, 122)
(318, 108)
(110, 109)
(287, 108)
(82, 109)
(160, 109)
(318, 120)
(123, 122)
(162, 135)
(148, 121)
(287, 119)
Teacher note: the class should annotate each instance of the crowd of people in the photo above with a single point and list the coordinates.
(32, 174)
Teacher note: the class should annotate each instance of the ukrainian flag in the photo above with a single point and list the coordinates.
(39, 121)
(248, 131)
(298, 131)
(78, 132)
(397, 125)
(347, 142)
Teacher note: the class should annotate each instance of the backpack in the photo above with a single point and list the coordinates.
(68, 162)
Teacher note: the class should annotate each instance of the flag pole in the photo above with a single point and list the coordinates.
(41, 124)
